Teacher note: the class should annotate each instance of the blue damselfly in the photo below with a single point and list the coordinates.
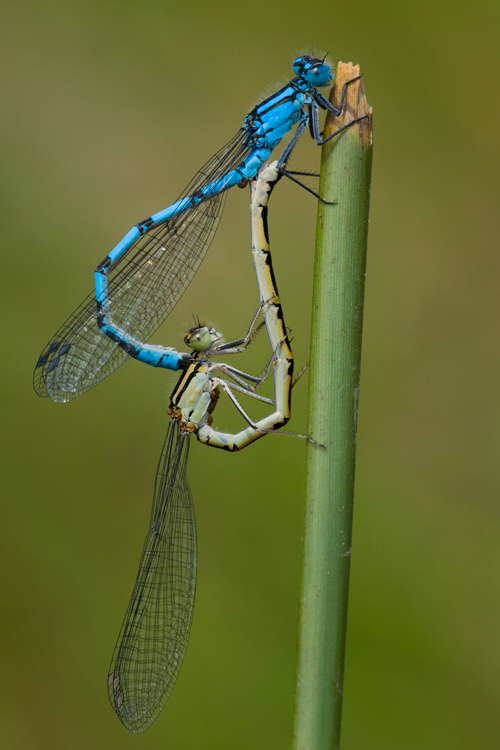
(148, 271)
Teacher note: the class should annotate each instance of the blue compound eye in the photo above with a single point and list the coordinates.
(297, 65)
(319, 75)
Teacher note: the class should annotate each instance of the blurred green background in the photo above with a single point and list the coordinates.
(107, 110)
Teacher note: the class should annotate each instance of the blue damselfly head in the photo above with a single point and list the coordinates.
(316, 72)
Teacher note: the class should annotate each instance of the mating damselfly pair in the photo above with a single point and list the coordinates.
(137, 285)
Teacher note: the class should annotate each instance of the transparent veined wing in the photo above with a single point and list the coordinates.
(154, 634)
(143, 289)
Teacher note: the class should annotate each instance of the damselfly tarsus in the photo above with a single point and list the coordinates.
(148, 271)
(154, 634)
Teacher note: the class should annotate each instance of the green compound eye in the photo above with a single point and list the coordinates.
(199, 339)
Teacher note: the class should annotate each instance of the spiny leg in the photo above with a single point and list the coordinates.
(240, 345)
(233, 373)
(231, 386)
(255, 425)
(300, 375)
(314, 118)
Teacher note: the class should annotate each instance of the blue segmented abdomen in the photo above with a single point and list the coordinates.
(246, 171)
(175, 208)
(161, 356)
(165, 357)
(125, 243)
(274, 124)
(218, 186)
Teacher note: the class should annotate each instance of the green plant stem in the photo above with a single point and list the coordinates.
(339, 277)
